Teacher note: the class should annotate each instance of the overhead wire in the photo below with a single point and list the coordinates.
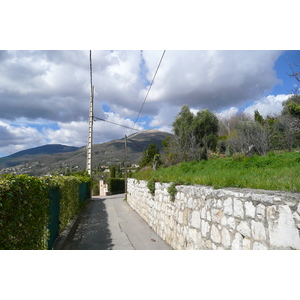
(114, 123)
(148, 91)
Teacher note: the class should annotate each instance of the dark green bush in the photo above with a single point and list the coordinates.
(25, 208)
(116, 185)
(24, 212)
(172, 191)
(151, 186)
(69, 198)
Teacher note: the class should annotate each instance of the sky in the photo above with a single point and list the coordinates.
(44, 95)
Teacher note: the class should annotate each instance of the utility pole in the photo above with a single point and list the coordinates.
(89, 165)
(125, 166)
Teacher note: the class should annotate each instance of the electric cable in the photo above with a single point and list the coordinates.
(148, 91)
(113, 123)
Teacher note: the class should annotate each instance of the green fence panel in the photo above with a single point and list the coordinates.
(84, 191)
(54, 207)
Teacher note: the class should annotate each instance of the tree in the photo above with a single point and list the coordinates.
(182, 131)
(205, 129)
(112, 172)
(258, 117)
(295, 74)
(194, 135)
(287, 135)
(149, 155)
(253, 135)
(292, 106)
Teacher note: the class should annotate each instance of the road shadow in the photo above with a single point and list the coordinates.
(92, 232)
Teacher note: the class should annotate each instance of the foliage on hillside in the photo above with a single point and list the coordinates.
(271, 172)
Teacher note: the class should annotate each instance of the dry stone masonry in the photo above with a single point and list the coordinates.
(202, 217)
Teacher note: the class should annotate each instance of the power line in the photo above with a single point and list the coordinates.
(148, 91)
(114, 123)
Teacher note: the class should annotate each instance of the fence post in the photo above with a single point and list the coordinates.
(54, 210)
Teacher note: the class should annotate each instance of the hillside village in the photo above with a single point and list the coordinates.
(104, 156)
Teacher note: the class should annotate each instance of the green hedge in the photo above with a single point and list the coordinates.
(116, 185)
(25, 208)
(69, 199)
(24, 212)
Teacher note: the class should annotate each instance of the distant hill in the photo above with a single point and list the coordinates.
(26, 155)
(57, 158)
(46, 149)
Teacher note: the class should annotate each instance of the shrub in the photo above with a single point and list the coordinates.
(172, 191)
(24, 212)
(27, 209)
(69, 198)
(151, 186)
(116, 185)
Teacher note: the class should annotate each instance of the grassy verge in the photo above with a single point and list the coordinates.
(270, 172)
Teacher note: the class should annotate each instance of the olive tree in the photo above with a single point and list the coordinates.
(194, 135)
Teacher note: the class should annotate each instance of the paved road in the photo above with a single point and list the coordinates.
(111, 224)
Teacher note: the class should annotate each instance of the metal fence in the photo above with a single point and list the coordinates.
(84, 192)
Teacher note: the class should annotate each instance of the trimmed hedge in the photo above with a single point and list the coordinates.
(116, 185)
(24, 214)
(25, 208)
(69, 199)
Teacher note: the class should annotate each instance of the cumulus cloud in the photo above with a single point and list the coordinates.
(17, 138)
(213, 79)
(270, 105)
(228, 113)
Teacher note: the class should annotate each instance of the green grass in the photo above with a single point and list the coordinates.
(270, 172)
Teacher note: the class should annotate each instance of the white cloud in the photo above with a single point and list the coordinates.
(17, 138)
(212, 79)
(228, 113)
(270, 105)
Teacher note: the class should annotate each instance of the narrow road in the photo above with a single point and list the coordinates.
(109, 223)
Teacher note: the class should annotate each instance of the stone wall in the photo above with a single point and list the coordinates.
(202, 217)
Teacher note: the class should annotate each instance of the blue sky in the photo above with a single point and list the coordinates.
(44, 95)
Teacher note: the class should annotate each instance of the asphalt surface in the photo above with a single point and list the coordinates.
(109, 223)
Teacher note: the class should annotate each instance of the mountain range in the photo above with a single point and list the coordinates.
(56, 158)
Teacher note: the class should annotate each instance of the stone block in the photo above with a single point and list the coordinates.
(224, 221)
(231, 222)
(244, 229)
(250, 209)
(237, 242)
(180, 217)
(215, 234)
(228, 206)
(296, 219)
(185, 216)
(282, 230)
(216, 215)
(190, 203)
(192, 234)
(260, 211)
(208, 244)
(205, 227)
(203, 213)
(258, 231)
(226, 240)
(259, 246)
(246, 244)
(238, 208)
(195, 219)
(208, 216)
